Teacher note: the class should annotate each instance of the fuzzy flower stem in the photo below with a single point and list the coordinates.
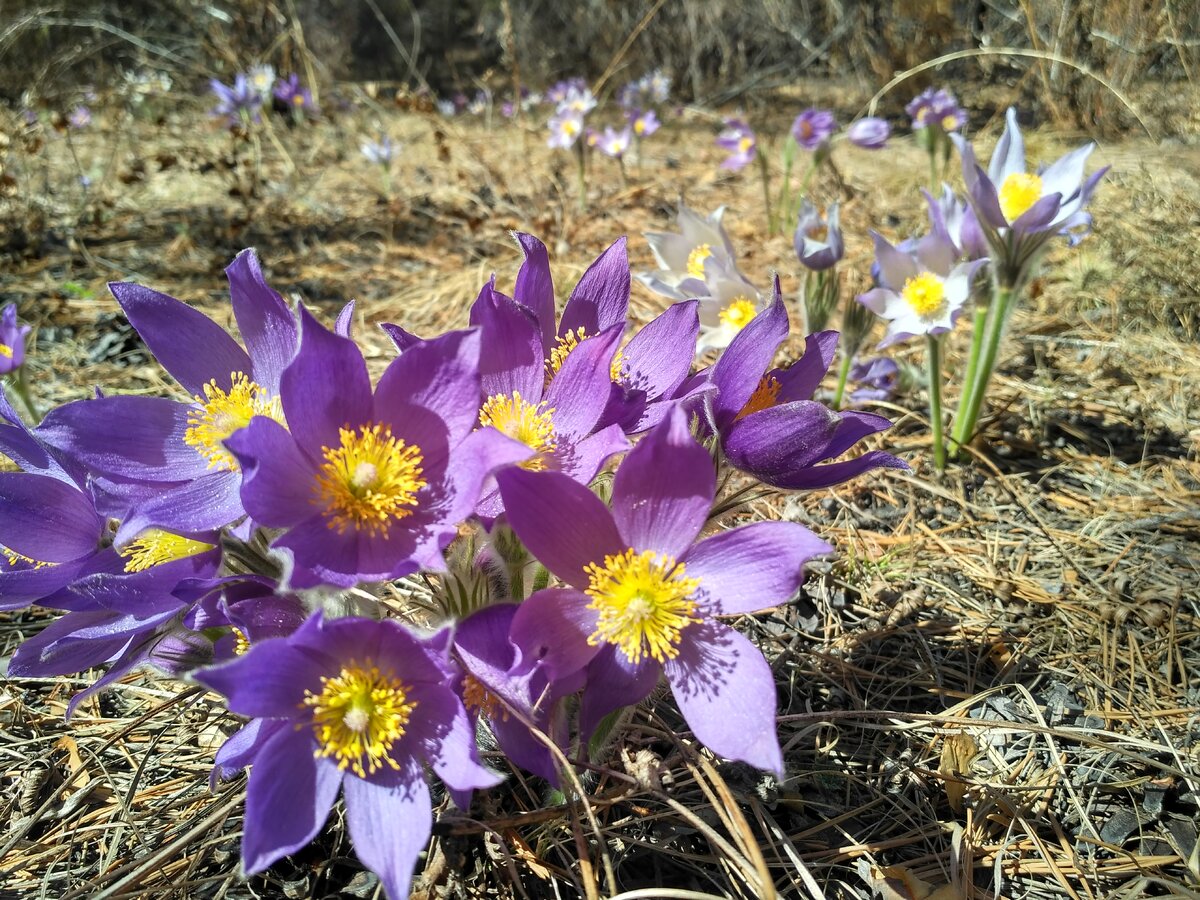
(977, 329)
(992, 334)
(772, 223)
(21, 386)
(934, 362)
(582, 172)
(843, 374)
(621, 169)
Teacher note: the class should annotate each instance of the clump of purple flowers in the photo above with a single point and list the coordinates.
(240, 538)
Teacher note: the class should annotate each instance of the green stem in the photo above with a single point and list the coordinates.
(935, 400)
(621, 167)
(21, 386)
(935, 186)
(843, 374)
(794, 209)
(582, 172)
(968, 385)
(997, 318)
(387, 183)
(765, 176)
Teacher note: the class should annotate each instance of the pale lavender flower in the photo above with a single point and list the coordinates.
(614, 143)
(870, 133)
(565, 126)
(813, 128)
(81, 117)
(741, 142)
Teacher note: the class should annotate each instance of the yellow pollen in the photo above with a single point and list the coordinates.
(513, 415)
(926, 294)
(298, 99)
(737, 315)
(357, 717)
(639, 127)
(218, 414)
(153, 547)
(13, 558)
(643, 602)
(745, 144)
(477, 697)
(563, 345)
(922, 113)
(369, 481)
(6, 351)
(1018, 193)
(241, 642)
(569, 127)
(949, 123)
(764, 396)
(616, 371)
(695, 260)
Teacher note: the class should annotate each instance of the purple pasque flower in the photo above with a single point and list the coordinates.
(12, 340)
(565, 126)
(80, 117)
(686, 257)
(936, 108)
(741, 142)
(290, 92)
(578, 99)
(644, 593)
(768, 425)
(644, 122)
(353, 706)
(878, 379)
(922, 290)
(179, 447)
(1018, 210)
(505, 683)
(238, 102)
(380, 152)
(870, 133)
(954, 218)
(818, 239)
(558, 91)
(369, 485)
(813, 128)
(614, 143)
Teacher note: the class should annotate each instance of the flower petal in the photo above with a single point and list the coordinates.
(440, 375)
(209, 502)
(613, 682)
(511, 356)
(46, 519)
(269, 680)
(601, 298)
(278, 481)
(390, 826)
(579, 391)
(266, 323)
(801, 380)
(552, 628)
(726, 692)
(535, 286)
(657, 359)
(740, 368)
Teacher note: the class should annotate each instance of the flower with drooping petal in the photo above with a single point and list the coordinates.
(578, 100)
(765, 419)
(565, 128)
(686, 257)
(180, 446)
(350, 706)
(955, 220)
(12, 340)
(292, 93)
(239, 102)
(818, 240)
(877, 379)
(381, 152)
(1019, 210)
(614, 143)
(813, 128)
(369, 485)
(921, 291)
(936, 108)
(558, 91)
(741, 142)
(644, 122)
(870, 133)
(645, 594)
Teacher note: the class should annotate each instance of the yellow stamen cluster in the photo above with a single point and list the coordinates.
(513, 415)
(764, 396)
(926, 294)
(477, 697)
(695, 260)
(639, 126)
(745, 144)
(643, 602)
(949, 123)
(616, 371)
(1018, 193)
(563, 345)
(357, 717)
(218, 414)
(13, 558)
(153, 547)
(737, 315)
(369, 481)
(241, 643)
(6, 351)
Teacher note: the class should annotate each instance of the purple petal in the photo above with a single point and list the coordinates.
(579, 391)
(801, 380)
(583, 459)
(326, 387)
(511, 356)
(288, 798)
(601, 298)
(895, 266)
(188, 344)
(664, 489)
(441, 376)
(269, 680)
(345, 321)
(535, 287)
(277, 479)
(266, 324)
(726, 692)
(829, 474)
(564, 525)
(657, 359)
(741, 367)
(778, 439)
(46, 519)
(1009, 156)
(613, 682)
(753, 567)
(209, 502)
(241, 747)
(401, 338)
(1038, 216)
(450, 747)
(552, 628)
(985, 200)
(390, 826)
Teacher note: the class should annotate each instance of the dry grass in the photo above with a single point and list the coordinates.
(993, 691)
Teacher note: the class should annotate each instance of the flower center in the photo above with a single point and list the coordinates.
(949, 123)
(153, 547)
(818, 233)
(1018, 193)
(298, 99)
(639, 127)
(6, 351)
(695, 260)
(522, 421)
(13, 558)
(737, 315)
(563, 345)
(357, 717)
(643, 602)
(219, 414)
(926, 294)
(569, 127)
(241, 643)
(369, 481)
(805, 128)
(764, 396)
(746, 144)
(476, 696)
